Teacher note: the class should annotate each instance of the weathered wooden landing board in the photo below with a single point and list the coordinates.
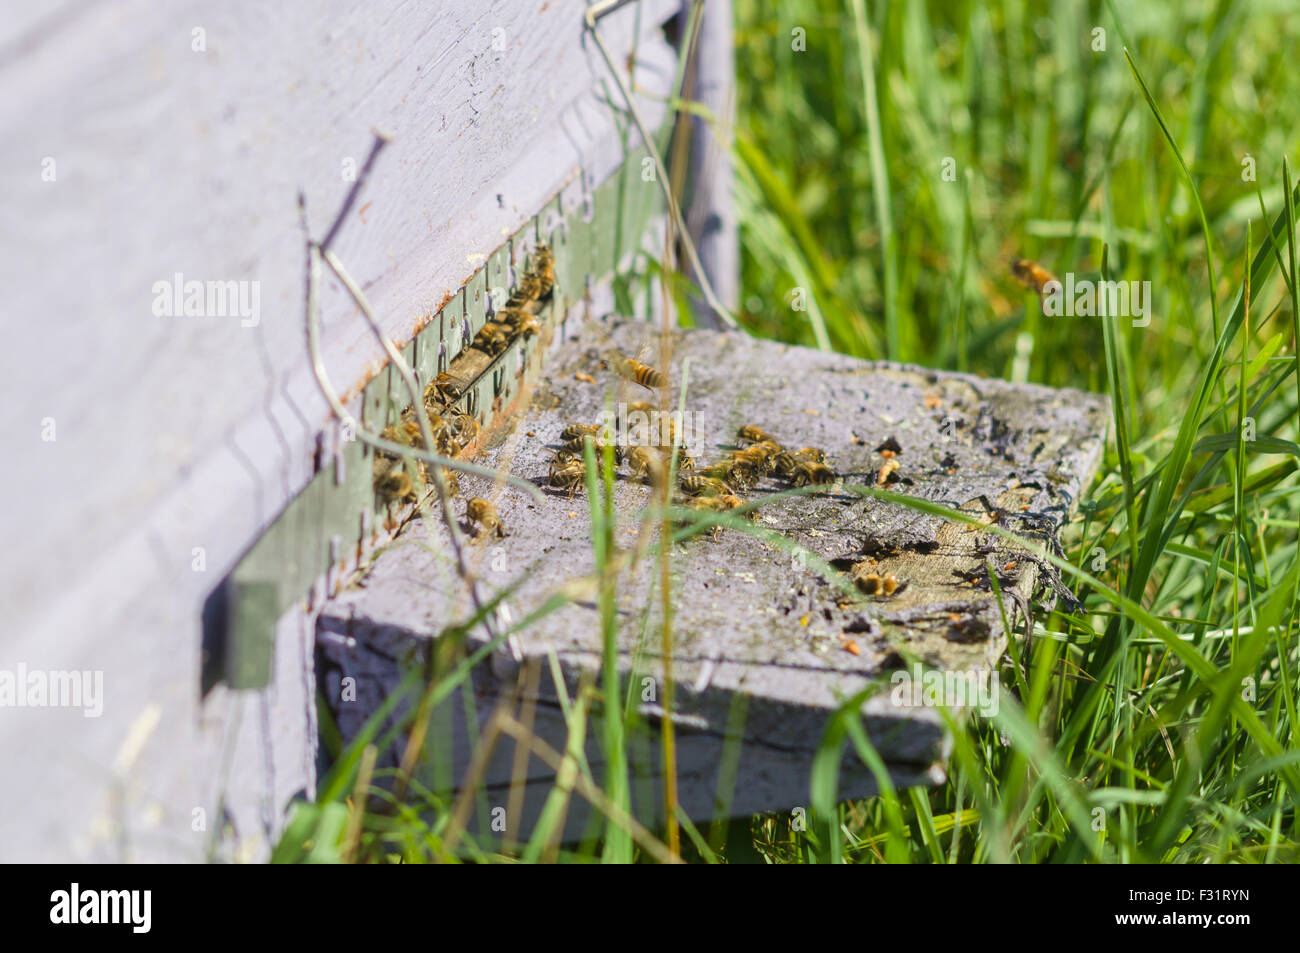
(759, 635)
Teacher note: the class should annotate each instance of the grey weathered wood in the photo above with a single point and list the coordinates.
(750, 621)
(180, 433)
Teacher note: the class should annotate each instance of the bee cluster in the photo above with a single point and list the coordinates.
(645, 461)
(453, 432)
(715, 487)
(450, 435)
(515, 320)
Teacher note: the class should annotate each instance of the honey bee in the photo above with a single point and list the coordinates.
(727, 502)
(664, 434)
(492, 339)
(483, 513)
(756, 458)
(574, 444)
(733, 472)
(567, 472)
(694, 485)
(645, 462)
(718, 504)
(787, 463)
(579, 431)
(809, 472)
(529, 289)
(528, 326)
(463, 428)
(444, 389)
(393, 483)
(405, 432)
(752, 434)
(874, 584)
(1031, 274)
(714, 504)
(643, 374)
(684, 460)
(637, 407)
(544, 268)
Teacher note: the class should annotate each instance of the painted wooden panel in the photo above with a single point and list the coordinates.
(140, 142)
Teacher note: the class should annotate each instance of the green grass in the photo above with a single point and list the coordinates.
(1087, 161)
(1161, 724)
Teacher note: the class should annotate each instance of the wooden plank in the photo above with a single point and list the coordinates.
(754, 619)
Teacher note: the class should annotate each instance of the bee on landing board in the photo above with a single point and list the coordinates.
(787, 464)
(732, 472)
(483, 513)
(809, 473)
(752, 434)
(567, 472)
(695, 485)
(645, 462)
(578, 431)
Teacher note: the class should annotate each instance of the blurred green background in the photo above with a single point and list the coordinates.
(1052, 150)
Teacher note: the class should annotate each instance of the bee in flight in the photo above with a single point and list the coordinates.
(483, 513)
(643, 374)
(1031, 274)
